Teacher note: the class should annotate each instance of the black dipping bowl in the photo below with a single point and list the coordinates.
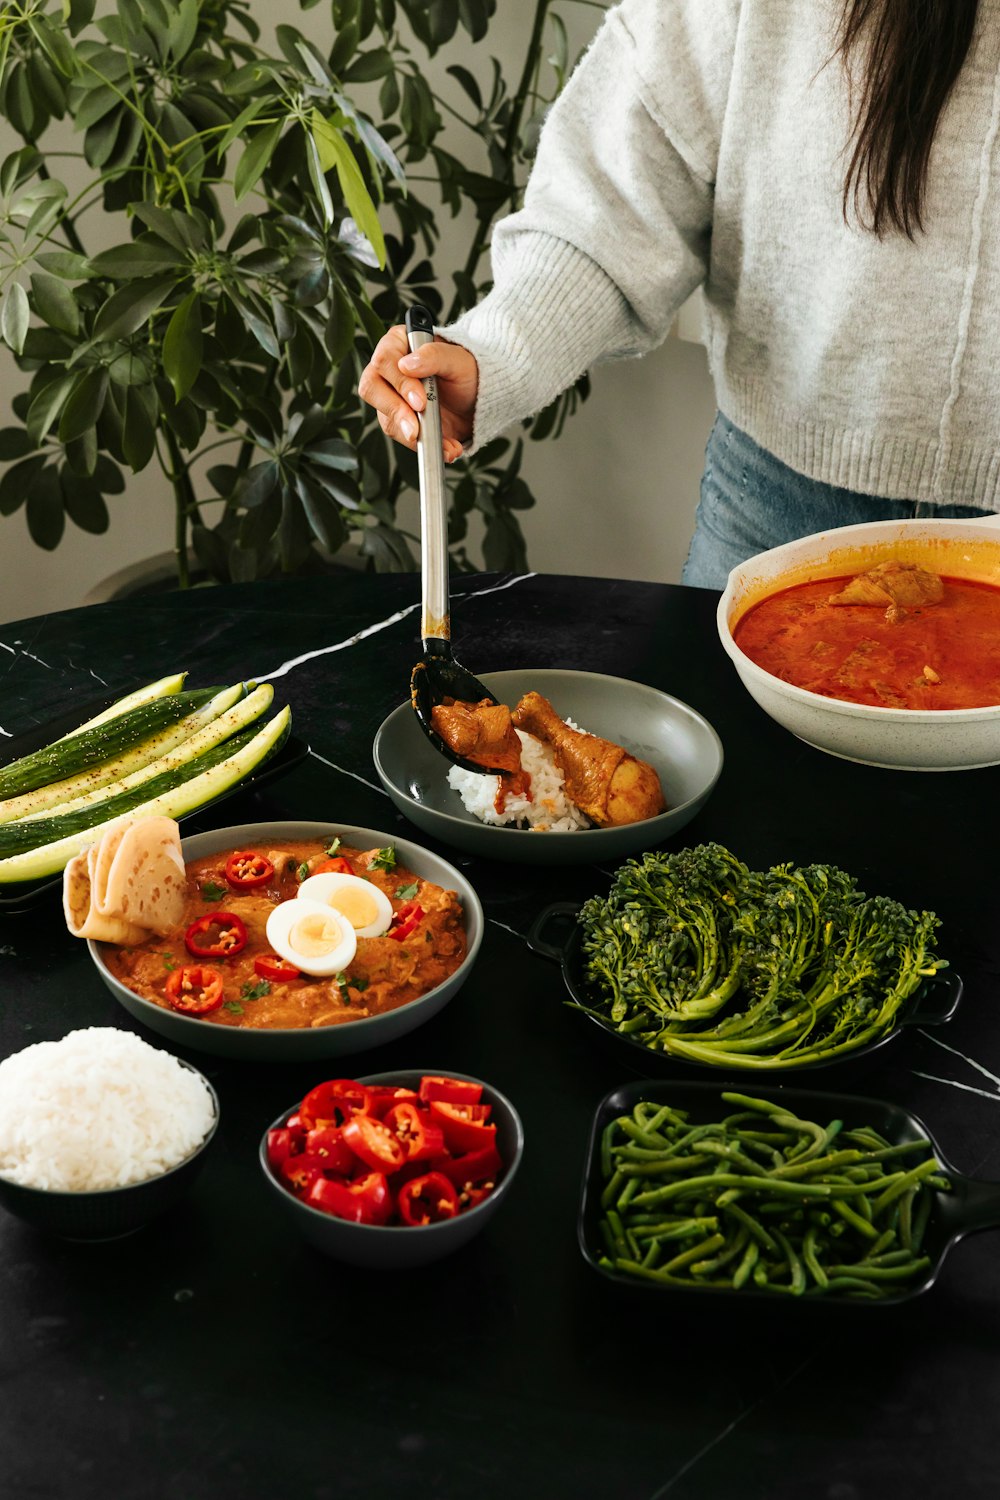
(108, 1213)
(971, 1205)
(931, 1005)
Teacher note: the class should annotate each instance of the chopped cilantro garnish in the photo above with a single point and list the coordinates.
(169, 962)
(405, 892)
(385, 859)
(360, 983)
(212, 892)
(341, 982)
(332, 849)
(234, 1006)
(256, 991)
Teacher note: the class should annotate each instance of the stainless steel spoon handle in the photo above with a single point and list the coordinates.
(435, 624)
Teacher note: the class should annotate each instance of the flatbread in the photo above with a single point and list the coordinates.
(81, 919)
(130, 884)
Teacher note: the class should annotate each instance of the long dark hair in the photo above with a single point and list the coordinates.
(902, 57)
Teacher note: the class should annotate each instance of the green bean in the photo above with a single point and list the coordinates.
(883, 1273)
(751, 1225)
(714, 1242)
(612, 1188)
(798, 1275)
(810, 1257)
(626, 1196)
(750, 1257)
(893, 1191)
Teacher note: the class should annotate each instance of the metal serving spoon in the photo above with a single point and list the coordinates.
(437, 675)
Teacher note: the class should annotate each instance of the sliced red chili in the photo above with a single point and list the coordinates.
(333, 1102)
(450, 1090)
(367, 1200)
(338, 865)
(194, 990)
(327, 1141)
(373, 1143)
(420, 1139)
(409, 916)
(280, 1146)
(298, 1128)
(383, 1096)
(427, 1200)
(218, 934)
(464, 1125)
(272, 967)
(245, 870)
(301, 1170)
(472, 1166)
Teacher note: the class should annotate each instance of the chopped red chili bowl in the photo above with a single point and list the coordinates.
(389, 1155)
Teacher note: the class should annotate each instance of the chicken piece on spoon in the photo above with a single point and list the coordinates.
(607, 783)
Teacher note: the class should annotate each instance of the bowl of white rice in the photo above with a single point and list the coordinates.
(457, 806)
(100, 1132)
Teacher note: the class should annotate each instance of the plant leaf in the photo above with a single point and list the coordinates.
(45, 515)
(46, 405)
(253, 162)
(127, 310)
(84, 404)
(55, 303)
(143, 257)
(333, 151)
(15, 317)
(183, 345)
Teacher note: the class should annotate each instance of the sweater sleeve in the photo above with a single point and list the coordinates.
(615, 229)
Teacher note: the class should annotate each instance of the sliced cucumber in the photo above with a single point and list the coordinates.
(236, 717)
(57, 794)
(208, 777)
(89, 747)
(164, 687)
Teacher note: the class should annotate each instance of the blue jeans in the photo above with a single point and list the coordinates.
(751, 501)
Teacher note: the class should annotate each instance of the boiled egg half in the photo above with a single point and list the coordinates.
(313, 937)
(361, 903)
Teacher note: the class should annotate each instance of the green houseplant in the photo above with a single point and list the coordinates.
(266, 230)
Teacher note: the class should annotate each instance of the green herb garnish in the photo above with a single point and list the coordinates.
(385, 859)
(405, 892)
(212, 892)
(341, 982)
(302, 872)
(169, 962)
(332, 849)
(360, 984)
(256, 991)
(234, 1006)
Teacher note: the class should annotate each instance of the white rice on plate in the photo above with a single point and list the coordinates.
(546, 810)
(99, 1109)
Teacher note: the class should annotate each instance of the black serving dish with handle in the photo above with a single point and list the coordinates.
(971, 1205)
(556, 935)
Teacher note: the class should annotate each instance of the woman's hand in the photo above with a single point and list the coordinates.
(391, 382)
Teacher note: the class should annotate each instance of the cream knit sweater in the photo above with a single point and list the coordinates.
(701, 142)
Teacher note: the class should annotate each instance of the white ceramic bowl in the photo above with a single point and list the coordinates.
(896, 738)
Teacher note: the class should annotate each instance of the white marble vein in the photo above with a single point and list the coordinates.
(380, 625)
(345, 772)
(967, 1088)
(976, 1066)
(352, 640)
(6, 733)
(512, 930)
(8, 648)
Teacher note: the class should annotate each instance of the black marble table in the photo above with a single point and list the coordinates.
(215, 1357)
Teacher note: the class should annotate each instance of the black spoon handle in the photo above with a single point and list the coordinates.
(435, 621)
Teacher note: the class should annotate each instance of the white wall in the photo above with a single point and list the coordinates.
(616, 493)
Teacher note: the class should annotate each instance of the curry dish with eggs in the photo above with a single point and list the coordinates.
(898, 636)
(423, 946)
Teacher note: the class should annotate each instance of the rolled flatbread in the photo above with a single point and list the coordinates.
(132, 883)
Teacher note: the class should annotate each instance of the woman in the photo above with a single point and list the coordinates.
(830, 174)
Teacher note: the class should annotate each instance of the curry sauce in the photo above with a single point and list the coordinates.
(384, 974)
(939, 655)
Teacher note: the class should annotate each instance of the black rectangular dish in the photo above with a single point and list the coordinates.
(969, 1206)
(20, 895)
